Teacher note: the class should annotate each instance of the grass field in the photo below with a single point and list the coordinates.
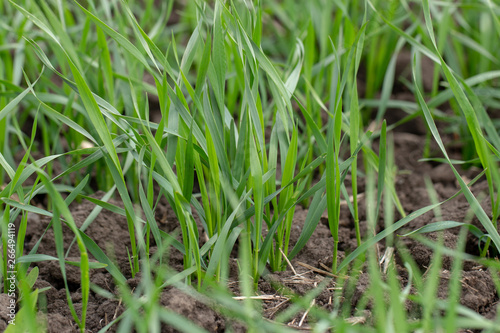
(236, 120)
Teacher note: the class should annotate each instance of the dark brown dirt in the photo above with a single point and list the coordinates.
(110, 232)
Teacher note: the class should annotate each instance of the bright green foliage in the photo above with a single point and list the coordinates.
(238, 112)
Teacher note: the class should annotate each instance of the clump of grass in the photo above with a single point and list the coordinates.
(239, 135)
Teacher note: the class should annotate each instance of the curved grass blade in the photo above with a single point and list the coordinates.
(444, 225)
(475, 205)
